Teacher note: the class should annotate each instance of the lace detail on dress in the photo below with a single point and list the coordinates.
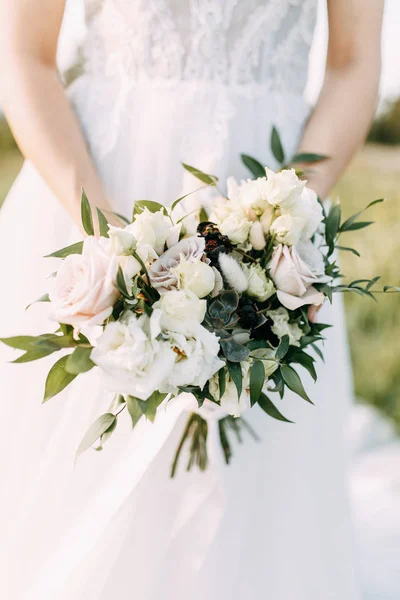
(233, 42)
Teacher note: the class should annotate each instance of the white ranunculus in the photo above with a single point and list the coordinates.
(309, 209)
(189, 249)
(84, 291)
(288, 229)
(283, 189)
(197, 358)
(131, 360)
(294, 279)
(151, 229)
(281, 326)
(259, 286)
(180, 310)
(231, 220)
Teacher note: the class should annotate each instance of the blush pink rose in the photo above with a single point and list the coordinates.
(84, 291)
(294, 279)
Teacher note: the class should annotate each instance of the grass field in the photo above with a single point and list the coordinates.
(373, 328)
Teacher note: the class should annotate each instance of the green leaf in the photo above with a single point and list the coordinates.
(121, 284)
(103, 224)
(271, 410)
(318, 352)
(306, 361)
(204, 177)
(293, 382)
(86, 215)
(151, 206)
(203, 215)
(282, 348)
(234, 351)
(332, 223)
(235, 372)
(79, 361)
(257, 380)
(308, 157)
(19, 342)
(32, 355)
(276, 146)
(254, 166)
(95, 431)
(359, 225)
(348, 225)
(149, 406)
(134, 410)
(44, 298)
(57, 379)
(64, 252)
(178, 200)
(108, 433)
(346, 249)
(222, 382)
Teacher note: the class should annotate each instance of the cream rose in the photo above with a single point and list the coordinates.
(231, 220)
(180, 310)
(84, 291)
(293, 279)
(152, 229)
(288, 229)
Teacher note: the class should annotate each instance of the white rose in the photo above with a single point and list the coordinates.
(84, 291)
(293, 279)
(283, 189)
(253, 195)
(179, 310)
(194, 276)
(151, 229)
(231, 220)
(288, 229)
(133, 363)
(121, 240)
(281, 326)
(309, 209)
(259, 286)
(197, 358)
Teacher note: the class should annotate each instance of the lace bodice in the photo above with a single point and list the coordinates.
(232, 42)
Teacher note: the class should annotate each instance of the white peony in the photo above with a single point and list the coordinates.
(152, 229)
(84, 291)
(197, 358)
(288, 229)
(259, 286)
(294, 279)
(134, 363)
(283, 189)
(179, 310)
(309, 209)
(281, 326)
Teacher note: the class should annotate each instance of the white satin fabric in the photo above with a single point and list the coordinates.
(276, 523)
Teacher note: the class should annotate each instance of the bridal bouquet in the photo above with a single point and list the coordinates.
(225, 314)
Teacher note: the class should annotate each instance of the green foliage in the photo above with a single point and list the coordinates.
(57, 379)
(104, 424)
(64, 252)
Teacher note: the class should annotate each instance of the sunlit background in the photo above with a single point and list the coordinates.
(375, 172)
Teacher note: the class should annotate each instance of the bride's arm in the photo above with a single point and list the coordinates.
(347, 103)
(35, 105)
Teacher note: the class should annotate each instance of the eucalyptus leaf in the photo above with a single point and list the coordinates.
(86, 214)
(306, 361)
(332, 223)
(44, 298)
(64, 252)
(57, 379)
(257, 380)
(151, 405)
(121, 284)
(271, 410)
(108, 433)
(178, 200)
(347, 225)
(308, 158)
(347, 249)
(95, 431)
(32, 355)
(358, 225)
(222, 381)
(276, 146)
(293, 382)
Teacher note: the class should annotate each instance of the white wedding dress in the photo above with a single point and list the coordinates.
(164, 81)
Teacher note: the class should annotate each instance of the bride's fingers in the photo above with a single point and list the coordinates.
(313, 313)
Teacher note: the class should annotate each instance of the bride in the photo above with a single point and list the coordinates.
(163, 81)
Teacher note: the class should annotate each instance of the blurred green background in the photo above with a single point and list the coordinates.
(373, 327)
